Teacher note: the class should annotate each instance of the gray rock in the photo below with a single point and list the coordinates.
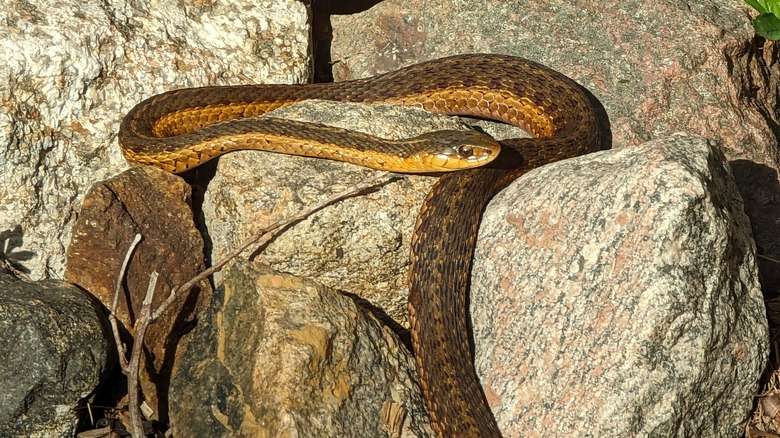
(56, 348)
(616, 294)
(75, 68)
(280, 356)
(359, 245)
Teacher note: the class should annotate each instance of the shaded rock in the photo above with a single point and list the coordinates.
(56, 348)
(74, 68)
(155, 204)
(281, 356)
(622, 299)
(759, 187)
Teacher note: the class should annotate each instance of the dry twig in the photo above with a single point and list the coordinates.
(761, 256)
(133, 403)
(120, 346)
(130, 368)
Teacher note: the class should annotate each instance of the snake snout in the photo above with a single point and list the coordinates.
(458, 150)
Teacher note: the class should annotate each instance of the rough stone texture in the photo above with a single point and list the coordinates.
(626, 292)
(56, 348)
(279, 356)
(623, 299)
(71, 69)
(70, 73)
(360, 245)
(155, 204)
(656, 67)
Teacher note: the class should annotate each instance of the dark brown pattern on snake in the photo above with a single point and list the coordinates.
(166, 131)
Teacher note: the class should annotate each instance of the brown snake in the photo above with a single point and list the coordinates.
(182, 129)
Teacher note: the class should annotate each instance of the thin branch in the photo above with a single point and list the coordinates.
(260, 234)
(133, 403)
(761, 256)
(120, 346)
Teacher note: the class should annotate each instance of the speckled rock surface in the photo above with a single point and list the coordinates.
(359, 245)
(279, 356)
(622, 300)
(56, 348)
(656, 67)
(70, 70)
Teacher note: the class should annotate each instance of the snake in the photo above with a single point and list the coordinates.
(182, 129)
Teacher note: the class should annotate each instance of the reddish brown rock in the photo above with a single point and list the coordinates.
(155, 204)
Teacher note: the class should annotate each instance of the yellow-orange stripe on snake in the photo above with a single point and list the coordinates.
(182, 129)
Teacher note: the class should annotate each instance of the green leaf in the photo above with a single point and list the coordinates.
(773, 6)
(765, 6)
(758, 5)
(768, 26)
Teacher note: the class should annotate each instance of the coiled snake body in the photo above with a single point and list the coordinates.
(182, 129)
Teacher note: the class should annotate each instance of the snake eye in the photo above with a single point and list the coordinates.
(465, 151)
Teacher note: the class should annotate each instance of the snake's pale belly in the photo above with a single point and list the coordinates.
(182, 129)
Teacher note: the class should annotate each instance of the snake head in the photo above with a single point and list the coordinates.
(447, 151)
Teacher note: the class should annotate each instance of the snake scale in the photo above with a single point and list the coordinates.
(182, 129)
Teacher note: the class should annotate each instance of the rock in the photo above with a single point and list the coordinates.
(281, 356)
(359, 245)
(759, 187)
(617, 294)
(57, 348)
(689, 68)
(79, 67)
(698, 343)
(657, 68)
(155, 204)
